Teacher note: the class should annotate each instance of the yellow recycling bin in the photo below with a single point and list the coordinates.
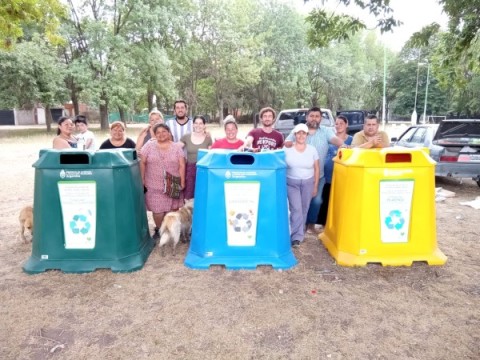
(382, 208)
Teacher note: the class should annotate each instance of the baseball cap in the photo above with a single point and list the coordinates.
(300, 127)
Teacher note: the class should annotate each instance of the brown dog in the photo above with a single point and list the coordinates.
(176, 224)
(26, 221)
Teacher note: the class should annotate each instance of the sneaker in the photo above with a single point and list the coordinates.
(295, 243)
(156, 233)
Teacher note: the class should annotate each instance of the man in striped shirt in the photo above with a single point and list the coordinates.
(181, 124)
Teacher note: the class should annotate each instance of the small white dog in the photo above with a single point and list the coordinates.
(176, 224)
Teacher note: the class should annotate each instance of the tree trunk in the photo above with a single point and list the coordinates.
(121, 111)
(48, 118)
(150, 94)
(220, 111)
(103, 117)
(76, 106)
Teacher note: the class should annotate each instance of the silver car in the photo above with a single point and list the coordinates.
(453, 144)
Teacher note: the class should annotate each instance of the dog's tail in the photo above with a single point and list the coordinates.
(165, 238)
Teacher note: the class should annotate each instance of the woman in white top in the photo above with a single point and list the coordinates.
(303, 170)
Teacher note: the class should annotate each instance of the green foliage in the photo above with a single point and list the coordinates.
(223, 56)
(327, 27)
(29, 74)
(15, 14)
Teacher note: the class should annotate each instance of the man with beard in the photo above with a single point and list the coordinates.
(181, 124)
(319, 137)
(370, 137)
(266, 137)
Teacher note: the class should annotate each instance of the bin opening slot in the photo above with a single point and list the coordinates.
(242, 159)
(74, 159)
(399, 158)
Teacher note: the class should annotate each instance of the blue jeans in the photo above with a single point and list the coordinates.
(315, 203)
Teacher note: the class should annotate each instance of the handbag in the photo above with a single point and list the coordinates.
(172, 185)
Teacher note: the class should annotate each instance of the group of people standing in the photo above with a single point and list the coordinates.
(75, 134)
(310, 149)
(172, 147)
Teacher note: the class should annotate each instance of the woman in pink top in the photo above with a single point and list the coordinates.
(156, 156)
(230, 141)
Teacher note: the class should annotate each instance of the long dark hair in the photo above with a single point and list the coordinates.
(60, 121)
(201, 117)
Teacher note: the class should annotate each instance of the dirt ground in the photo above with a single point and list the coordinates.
(317, 310)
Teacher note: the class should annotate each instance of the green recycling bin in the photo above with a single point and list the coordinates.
(89, 212)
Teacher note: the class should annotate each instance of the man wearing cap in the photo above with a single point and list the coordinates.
(303, 169)
(319, 137)
(266, 137)
(181, 124)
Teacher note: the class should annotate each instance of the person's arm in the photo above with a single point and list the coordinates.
(181, 168)
(336, 141)
(142, 169)
(385, 141)
(89, 140)
(359, 141)
(289, 140)
(59, 143)
(316, 175)
(141, 138)
(248, 141)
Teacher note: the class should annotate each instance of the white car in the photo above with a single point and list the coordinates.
(287, 119)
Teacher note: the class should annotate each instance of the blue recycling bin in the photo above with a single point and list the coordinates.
(240, 219)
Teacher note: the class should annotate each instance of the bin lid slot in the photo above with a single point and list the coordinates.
(399, 158)
(242, 159)
(74, 159)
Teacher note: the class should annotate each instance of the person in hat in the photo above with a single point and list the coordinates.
(303, 171)
(85, 137)
(265, 137)
(118, 139)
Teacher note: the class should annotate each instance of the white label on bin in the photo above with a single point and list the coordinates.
(78, 200)
(395, 210)
(241, 204)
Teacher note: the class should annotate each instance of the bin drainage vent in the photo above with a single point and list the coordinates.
(74, 159)
(399, 158)
(242, 159)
